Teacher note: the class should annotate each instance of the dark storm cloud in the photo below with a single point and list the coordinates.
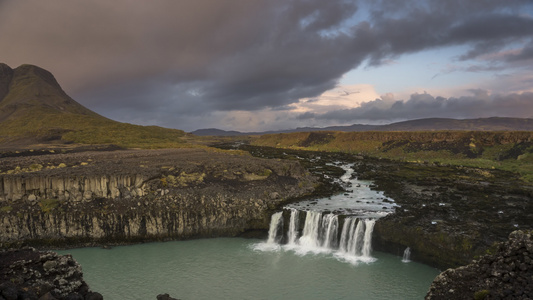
(479, 104)
(420, 25)
(210, 55)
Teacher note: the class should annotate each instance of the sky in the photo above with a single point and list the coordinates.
(257, 65)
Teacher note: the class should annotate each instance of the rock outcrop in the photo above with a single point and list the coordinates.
(29, 274)
(505, 274)
(129, 196)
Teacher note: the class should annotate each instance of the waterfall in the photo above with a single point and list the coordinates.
(275, 223)
(311, 228)
(321, 235)
(330, 223)
(357, 238)
(367, 245)
(346, 228)
(292, 234)
(406, 255)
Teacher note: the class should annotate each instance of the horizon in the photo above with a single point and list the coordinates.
(280, 65)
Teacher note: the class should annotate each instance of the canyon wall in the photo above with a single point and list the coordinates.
(132, 196)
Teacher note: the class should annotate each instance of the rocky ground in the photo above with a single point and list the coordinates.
(505, 274)
(30, 274)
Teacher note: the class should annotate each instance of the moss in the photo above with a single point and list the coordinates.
(480, 295)
(6, 208)
(36, 167)
(266, 172)
(466, 244)
(48, 205)
(183, 179)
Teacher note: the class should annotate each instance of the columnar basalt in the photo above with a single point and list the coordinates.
(129, 196)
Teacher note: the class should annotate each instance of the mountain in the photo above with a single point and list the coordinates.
(34, 109)
(29, 89)
(429, 124)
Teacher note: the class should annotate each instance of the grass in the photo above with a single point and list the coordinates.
(508, 151)
(88, 129)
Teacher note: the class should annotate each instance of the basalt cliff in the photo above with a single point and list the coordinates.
(114, 197)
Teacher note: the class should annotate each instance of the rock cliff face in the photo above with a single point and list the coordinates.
(129, 196)
(505, 274)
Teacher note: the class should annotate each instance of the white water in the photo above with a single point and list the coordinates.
(406, 255)
(275, 223)
(321, 235)
(359, 199)
(360, 204)
(272, 243)
(309, 240)
(330, 223)
(293, 227)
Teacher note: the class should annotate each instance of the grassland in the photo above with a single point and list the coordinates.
(43, 126)
(509, 151)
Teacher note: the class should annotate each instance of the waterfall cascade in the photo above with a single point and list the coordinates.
(321, 234)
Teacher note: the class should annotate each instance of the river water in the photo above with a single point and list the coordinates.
(329, 256)
(230, 268)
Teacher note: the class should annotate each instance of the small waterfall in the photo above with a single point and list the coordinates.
(346, 228)
(275, 223)
(367, 245)
(353, 237)
(330, 223)
(406, 255)
(311, 229)
(292, 234)
(357, 238)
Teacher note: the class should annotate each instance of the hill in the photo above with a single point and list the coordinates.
(34, 109)
(428, 124)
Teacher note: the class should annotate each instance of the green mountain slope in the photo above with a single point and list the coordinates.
(34, 109)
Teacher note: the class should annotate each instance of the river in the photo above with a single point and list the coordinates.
(230, 268)
(327, 256)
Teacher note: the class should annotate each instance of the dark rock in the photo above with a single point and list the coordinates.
(165, 297)
(74, 296)
(480, 280)
(46, 274)
(48, 296)
(93, 296)
(10, 293)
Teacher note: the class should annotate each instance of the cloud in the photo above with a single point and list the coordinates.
(479, 104)
(165, 61)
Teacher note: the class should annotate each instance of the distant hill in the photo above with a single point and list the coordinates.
(34, 109)
(429, 124)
